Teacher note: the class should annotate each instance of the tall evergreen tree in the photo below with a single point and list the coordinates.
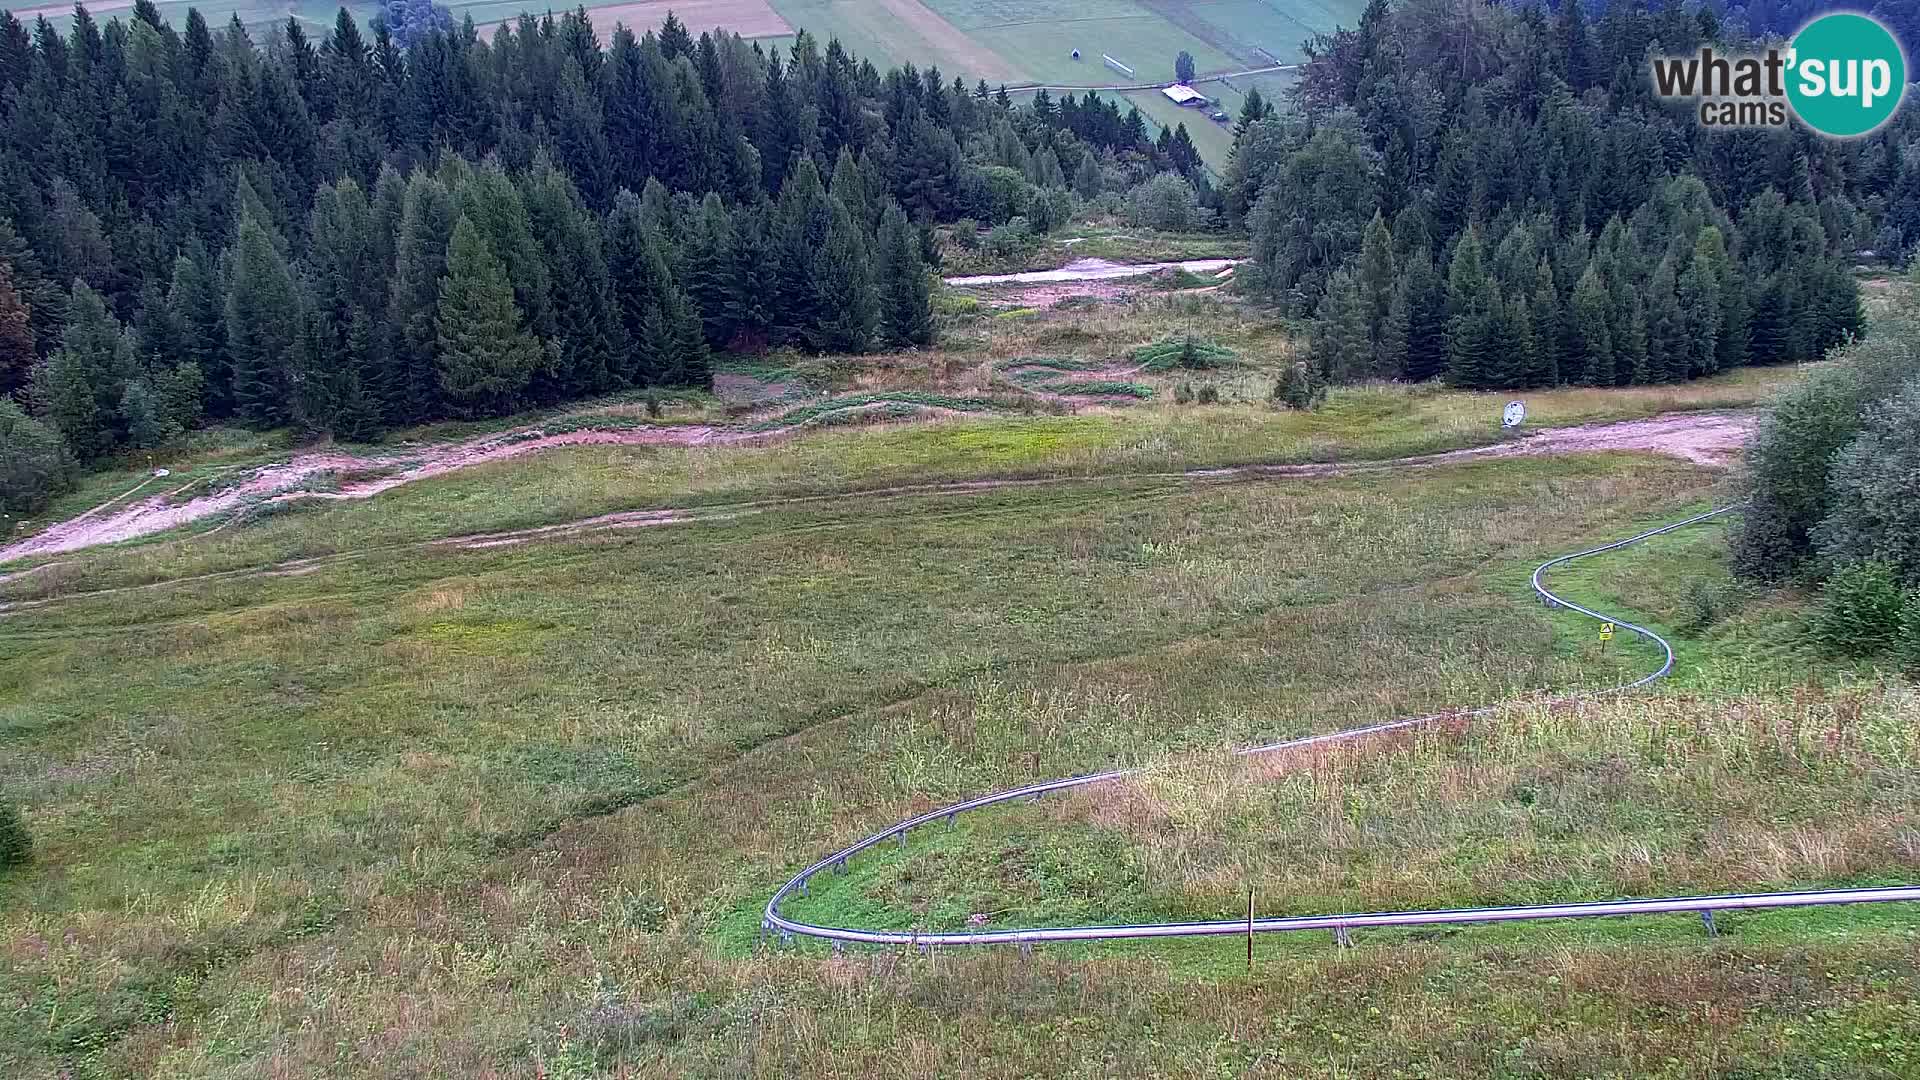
(16, 335)
(485, 354)
(906, 311)
(1474, 312)
(409, 388)
(263, 324)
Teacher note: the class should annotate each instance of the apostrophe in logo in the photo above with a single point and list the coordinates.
(1846, 75)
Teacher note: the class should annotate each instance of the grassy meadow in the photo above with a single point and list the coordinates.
(513, 811)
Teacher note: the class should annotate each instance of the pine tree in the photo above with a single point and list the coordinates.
(485, 354)
(263, 324)
(906, 310)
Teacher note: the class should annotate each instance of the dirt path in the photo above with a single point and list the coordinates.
(1094, 270)
(1710, 439)
(294, 479)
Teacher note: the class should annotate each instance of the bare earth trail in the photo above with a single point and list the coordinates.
(288, 480)
(1709, 439)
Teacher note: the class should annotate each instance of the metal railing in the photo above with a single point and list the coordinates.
(1705, 906)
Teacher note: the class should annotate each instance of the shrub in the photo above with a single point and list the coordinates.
(1908, 647)
(1299, 387)
(1789, 457)
(1208, 394)
(1010, 239)
(1874, 505)
(966, 234)
(16, 846)
(1167, 203)
(1706, 605)
(1861, 610)
(1050, 209)
(1187, 352)
(34, 463)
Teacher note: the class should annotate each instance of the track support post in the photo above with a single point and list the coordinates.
(1706, 919)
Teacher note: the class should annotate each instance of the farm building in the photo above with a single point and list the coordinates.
(1181, 94)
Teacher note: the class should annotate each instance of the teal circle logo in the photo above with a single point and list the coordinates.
(1846, 76)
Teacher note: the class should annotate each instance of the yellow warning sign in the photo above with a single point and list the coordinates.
(1606, 631)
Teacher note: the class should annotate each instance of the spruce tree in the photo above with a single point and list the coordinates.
(1390, 352)
(1549, 333)
(846, 309)
(1668, 346)
(906, 309)
(588, 343)
(16, 335)
(1341, 349)
(712, 281)
(1426, 305)
(79, 388)
(485, 354)
(197, 308)
(1473, 317)
(263, 324)
(409, 388)
(1376, 278)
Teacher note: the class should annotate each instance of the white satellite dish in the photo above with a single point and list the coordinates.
(1516, 412)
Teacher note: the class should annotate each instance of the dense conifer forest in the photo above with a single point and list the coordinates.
(416, 220)
(348, 235)
(1494, 195)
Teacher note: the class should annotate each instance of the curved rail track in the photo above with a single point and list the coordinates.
(1339, 924)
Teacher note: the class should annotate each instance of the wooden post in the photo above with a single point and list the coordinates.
(1249, 929)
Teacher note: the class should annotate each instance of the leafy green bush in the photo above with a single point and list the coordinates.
(1167, 203)
(1208, 394)
(1874, 490)
(1299, 387)
(1183, 393)
(16, 846)
(966, 234)
(1004, 241)
(1861, 610)
(34, 463)
(1789, 457)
